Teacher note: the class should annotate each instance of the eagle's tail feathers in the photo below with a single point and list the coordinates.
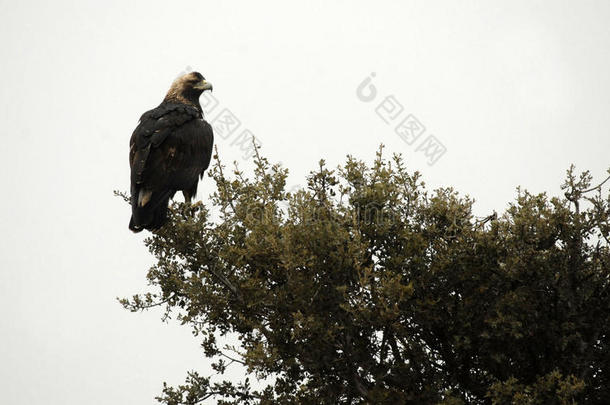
(149, 209)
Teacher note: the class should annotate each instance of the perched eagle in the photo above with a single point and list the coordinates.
(168, 152)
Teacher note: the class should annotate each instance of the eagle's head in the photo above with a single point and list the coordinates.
(187, 88)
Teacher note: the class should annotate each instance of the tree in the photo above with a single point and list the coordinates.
(363, 287)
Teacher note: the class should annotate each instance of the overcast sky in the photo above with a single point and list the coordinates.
(514, 91)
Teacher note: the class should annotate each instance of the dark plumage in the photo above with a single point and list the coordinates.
(168, 152)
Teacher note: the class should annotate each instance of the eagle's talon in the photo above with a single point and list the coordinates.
(185, 211)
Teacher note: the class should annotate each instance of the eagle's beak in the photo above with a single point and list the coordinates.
(203, 85)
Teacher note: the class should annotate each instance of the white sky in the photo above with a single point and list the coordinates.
(515, 90)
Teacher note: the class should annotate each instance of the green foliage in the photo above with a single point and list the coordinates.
(546, 390)
(363, 287)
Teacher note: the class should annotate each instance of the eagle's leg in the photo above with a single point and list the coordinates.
(188, 198)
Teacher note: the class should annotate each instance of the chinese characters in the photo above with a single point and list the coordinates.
(406, 126)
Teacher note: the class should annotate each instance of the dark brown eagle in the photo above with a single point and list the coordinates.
(168, 152)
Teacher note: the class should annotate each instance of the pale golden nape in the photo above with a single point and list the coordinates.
(178, 87)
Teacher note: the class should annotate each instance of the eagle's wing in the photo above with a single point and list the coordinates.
(186, 154)
(154, 128)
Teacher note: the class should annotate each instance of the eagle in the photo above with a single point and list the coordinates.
(168, 152)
